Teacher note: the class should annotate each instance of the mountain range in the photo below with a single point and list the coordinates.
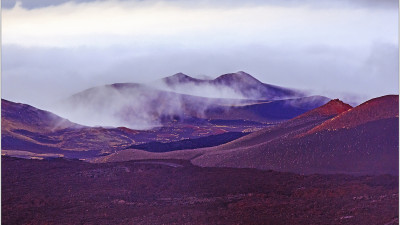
(303, 134)
(239, 84)
(180, 97)
(181, 150)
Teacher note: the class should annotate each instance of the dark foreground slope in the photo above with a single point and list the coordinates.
(176, 192)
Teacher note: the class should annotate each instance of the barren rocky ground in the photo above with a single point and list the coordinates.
(59, 191)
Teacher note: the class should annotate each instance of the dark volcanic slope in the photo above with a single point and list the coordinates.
(32, 119)
(331, 109)
(212, 156)
(368, 145)
(28, 131)
(209, 141)
(25, 128)
(241, 83)
(371, 147)
(270, 111)
(292, 127)
(176, 192)
(386, 107)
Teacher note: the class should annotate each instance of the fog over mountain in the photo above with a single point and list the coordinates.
(200, 111)
(340, 49)
(233, 96)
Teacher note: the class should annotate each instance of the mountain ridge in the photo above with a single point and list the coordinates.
(377, 108)
(366, 149)
(240, 83)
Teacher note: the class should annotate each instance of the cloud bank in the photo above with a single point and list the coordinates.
(28, 4)
(52, 49)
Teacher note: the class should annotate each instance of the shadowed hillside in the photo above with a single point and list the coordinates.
(370, 147)
(362, 140)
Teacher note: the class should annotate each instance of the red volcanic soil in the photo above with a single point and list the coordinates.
(292, 127)
(332, 108)
(176, 192)
(369, 148)
(375, 109)
(368, 145)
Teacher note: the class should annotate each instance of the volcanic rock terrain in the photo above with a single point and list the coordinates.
(166, 153)
(299, 145)
(61, 191)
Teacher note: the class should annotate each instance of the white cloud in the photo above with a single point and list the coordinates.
(52, 52)
(141, 23)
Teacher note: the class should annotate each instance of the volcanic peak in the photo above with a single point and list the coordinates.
(239, 76)
(380, 108)
(179, 78)
(332, 108)
(236, 77)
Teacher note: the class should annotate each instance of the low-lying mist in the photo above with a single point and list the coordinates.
(134, 106)
(239, 85)
(203, 90)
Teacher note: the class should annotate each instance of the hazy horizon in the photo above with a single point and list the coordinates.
(340, 49)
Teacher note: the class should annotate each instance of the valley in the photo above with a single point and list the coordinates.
(285, 158)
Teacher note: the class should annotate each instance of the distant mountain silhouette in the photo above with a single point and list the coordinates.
(145, 106)
(181, 78)
(240, 83)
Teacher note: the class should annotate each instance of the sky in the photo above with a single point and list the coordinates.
(344, 49)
